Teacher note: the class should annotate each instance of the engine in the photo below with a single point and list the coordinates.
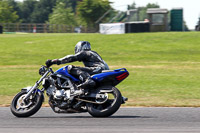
(58, 98)
(59, 91)
(58, 94)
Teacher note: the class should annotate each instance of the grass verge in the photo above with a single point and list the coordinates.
(164, 67)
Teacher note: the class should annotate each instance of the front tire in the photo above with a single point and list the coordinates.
(108, 108)
(19, 108)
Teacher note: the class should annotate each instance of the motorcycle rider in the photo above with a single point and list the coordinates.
(92, 60)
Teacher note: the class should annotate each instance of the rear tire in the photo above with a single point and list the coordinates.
(108, 108)
(29, 110)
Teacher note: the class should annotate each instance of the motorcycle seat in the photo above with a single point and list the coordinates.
(104, 71)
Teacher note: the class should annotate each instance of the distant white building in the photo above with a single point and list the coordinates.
(112, 28)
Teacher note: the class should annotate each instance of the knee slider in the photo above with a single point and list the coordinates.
(70, 68)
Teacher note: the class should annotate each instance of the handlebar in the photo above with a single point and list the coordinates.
(51, 70)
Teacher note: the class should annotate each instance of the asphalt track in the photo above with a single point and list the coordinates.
(129, 120)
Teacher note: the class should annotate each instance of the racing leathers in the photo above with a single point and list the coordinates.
(93, 64)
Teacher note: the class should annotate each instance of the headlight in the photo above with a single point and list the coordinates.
(42, 70)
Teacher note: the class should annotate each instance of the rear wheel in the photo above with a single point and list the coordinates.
(109, 107)
(21, 108)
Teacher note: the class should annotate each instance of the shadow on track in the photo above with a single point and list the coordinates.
(128, 116)
(121, 117)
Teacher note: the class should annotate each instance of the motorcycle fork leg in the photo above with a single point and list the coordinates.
(30, 91)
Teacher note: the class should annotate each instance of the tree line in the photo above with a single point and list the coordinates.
(70, 12)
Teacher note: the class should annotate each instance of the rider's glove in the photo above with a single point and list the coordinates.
(51, 62)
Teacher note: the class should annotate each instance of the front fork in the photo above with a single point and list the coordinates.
(32, 89)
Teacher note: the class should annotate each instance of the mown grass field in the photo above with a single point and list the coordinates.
(164, 67)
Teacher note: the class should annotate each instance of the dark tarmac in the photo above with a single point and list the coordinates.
(129, 120)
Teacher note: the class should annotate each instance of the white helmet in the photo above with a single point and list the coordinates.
(82, 46)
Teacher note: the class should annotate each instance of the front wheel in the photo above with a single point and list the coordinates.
(109, 107)
(21, 108)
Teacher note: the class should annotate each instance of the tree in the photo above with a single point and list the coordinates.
(152, 5)
(26, 9)
(37, 11)
(15, 5)
(70, 3)
(197, 28)
(42, 10)
(62, 15)
(132, 6)
(7, 14)
(91, 10)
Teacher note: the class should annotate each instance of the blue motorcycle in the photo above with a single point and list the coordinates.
(103, 100)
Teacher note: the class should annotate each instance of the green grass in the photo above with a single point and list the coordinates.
(164, 67)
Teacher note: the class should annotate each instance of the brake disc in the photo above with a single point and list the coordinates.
(21, 103)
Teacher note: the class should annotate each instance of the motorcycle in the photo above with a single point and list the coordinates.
(103, 100)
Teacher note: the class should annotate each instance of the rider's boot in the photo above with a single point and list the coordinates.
(88, 82)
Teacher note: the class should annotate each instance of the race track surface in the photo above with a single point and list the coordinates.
(129, 120)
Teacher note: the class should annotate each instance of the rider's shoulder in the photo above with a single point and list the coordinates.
(82, 54)
(86, 53)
